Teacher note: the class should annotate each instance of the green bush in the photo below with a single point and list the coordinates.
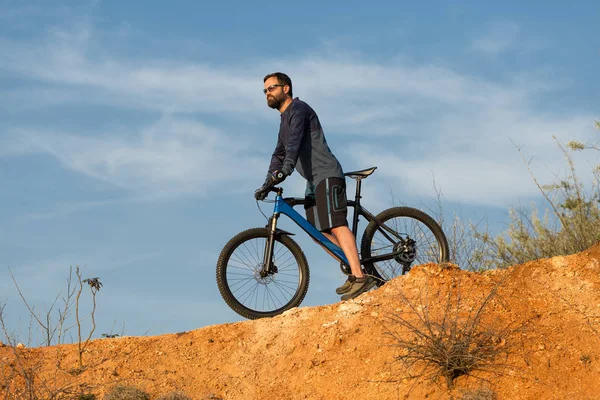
(571, 225)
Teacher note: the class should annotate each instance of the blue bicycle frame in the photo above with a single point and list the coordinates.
(281, 207)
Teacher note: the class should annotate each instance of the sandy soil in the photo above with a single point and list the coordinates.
(544, 317)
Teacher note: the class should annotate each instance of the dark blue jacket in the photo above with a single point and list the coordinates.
(302, 145)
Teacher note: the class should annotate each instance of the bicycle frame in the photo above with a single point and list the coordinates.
(282, 207)
(285, 206)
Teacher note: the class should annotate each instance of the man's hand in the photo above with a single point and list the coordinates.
(272, 179)
(261, 193)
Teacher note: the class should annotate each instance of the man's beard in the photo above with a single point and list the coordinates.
(275, 102)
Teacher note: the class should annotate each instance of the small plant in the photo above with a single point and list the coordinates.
(479, 394)
(448, 338)
(467, 248)
(123, 392)
(585, 359)
(21, 373)
(53, 331)
(110, 335)
(95, 285)
(175, 396)
(212, 396)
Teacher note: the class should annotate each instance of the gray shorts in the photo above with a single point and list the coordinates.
(326, 204)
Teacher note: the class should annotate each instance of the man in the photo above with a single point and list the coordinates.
(301, 145)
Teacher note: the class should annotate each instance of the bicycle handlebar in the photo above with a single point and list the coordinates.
(292, 201)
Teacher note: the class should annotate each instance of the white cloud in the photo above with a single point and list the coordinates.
(68, 59)
(350, 91)
(37, 278)
(479, 164)
(72, 207)
(14, 145)
(170, 158)
(424, 118)
(500, 37)
(10, 13)
(505, 36)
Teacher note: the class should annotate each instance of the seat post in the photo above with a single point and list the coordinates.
(356, 206)
(358, 185)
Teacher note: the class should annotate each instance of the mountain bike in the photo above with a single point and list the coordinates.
(262, 272)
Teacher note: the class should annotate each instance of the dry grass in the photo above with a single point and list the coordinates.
(571, 225)
(124, 392)
(479, 394)
(442, 336)
(175, 396)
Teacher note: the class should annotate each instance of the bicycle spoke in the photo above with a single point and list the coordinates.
(274, 296)
(262, 292)
(256, 259)
(249, 292)
(426, 247)
(240, 285)
(248, 263)
(284, 287)
(283, 264)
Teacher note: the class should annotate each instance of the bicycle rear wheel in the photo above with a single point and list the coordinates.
(251, 294)
(418, 240)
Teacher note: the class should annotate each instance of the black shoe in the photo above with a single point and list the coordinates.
(347, 285)
(359, 286)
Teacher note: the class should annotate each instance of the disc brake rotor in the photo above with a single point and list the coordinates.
(264, 277)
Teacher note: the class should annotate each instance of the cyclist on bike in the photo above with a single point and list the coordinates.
(302, 146)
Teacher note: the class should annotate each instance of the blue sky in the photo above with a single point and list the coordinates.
(133, 133)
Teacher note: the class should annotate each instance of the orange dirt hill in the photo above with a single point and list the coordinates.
(544, 319)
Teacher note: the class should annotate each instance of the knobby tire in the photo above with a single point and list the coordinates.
(386, 270)
(231, 265)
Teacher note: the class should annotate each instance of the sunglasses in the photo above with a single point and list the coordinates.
(271, 88)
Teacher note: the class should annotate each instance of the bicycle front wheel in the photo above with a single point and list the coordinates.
(243, 283)
(417, 239)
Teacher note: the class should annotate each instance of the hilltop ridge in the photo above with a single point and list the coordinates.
(547, 313)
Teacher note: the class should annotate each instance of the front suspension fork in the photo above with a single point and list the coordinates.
(268, 267)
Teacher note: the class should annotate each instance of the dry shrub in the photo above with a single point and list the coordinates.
(175, 396)
(21, 374)
(444, 336)
(124, 392)
(571, 225)
(479, 394)
(466, 247)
